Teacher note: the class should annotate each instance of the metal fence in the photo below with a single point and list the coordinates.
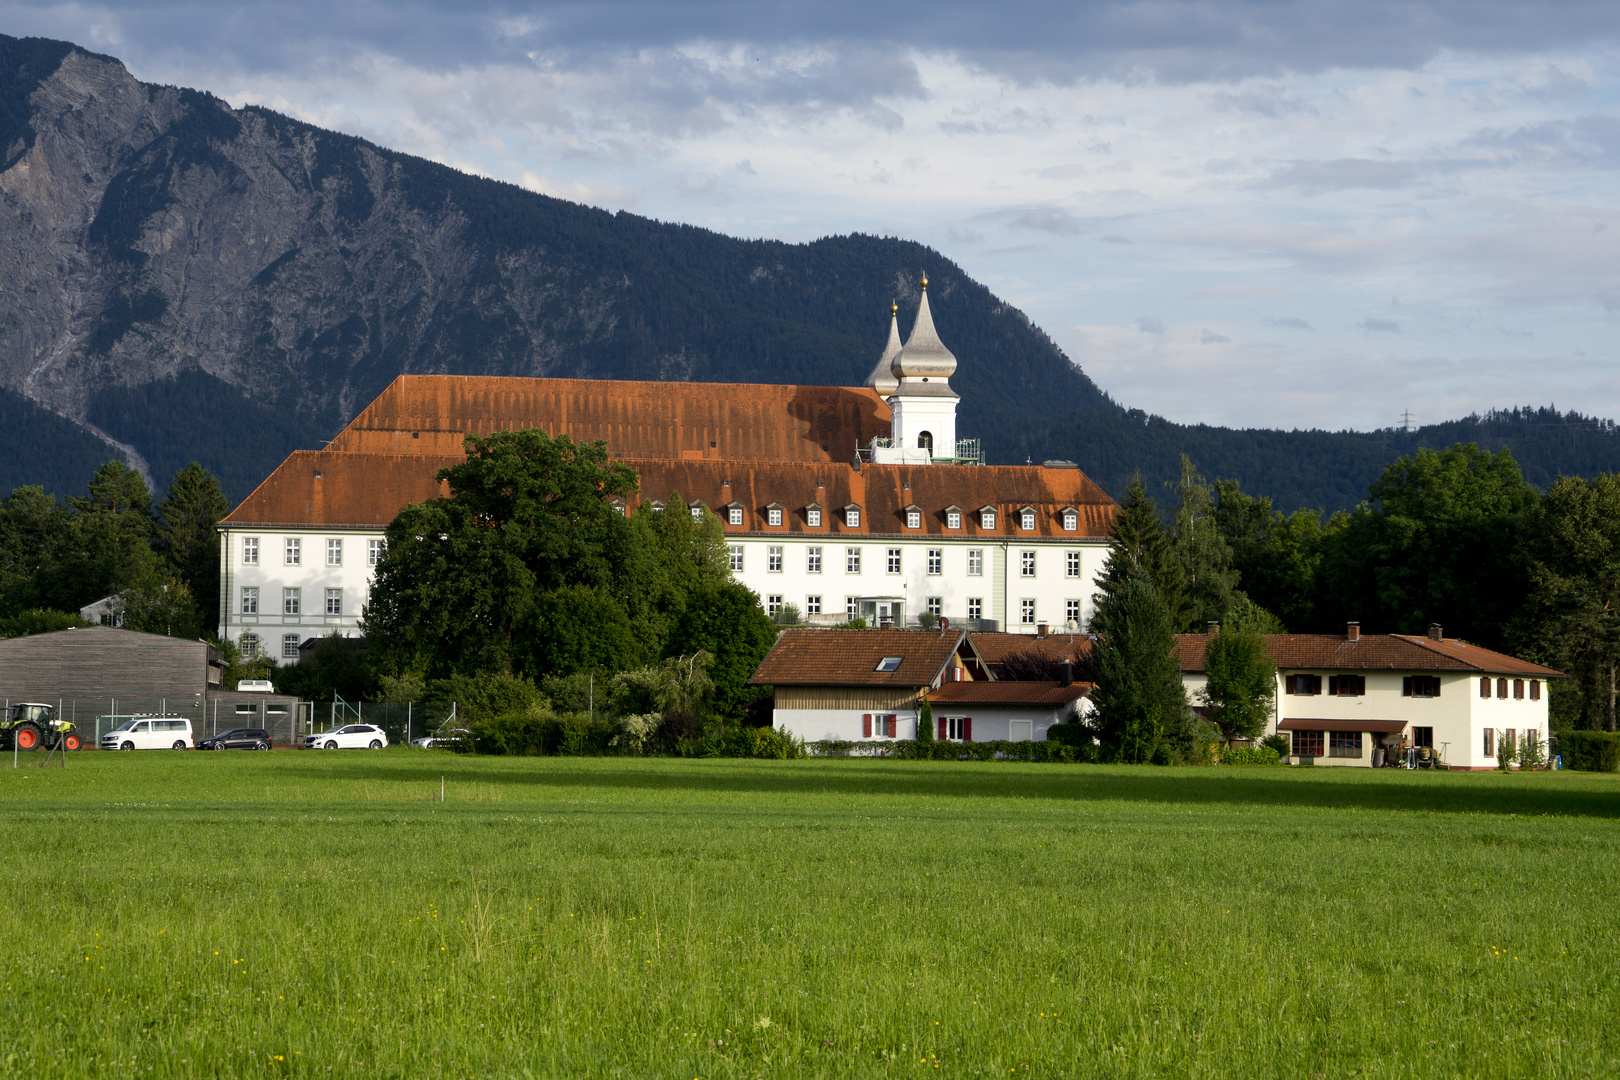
(288, 723)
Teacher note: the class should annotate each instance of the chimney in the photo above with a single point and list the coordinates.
(1434, 632)
(1352, 631)
(1068, 673)
(1212, 627)
(1042, 629)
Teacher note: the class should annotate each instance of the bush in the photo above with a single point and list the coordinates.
(1250, 755)
(1074, 734)
(995, 750)
(1280, 743)
(1590, 751)
(538, 730)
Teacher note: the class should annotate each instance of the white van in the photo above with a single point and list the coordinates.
(150, 733)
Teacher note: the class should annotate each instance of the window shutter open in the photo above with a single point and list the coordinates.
(894, 724)
(866, 725)
(967, 729)
(1333, 685)
(941, 735)
(1406, 686)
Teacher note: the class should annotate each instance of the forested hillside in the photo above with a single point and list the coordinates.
(223, 286)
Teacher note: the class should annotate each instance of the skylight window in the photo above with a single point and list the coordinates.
(889, 663)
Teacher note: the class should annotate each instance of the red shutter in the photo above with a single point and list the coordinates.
(866, 725)
(894, 719)
(941, 729)
(967, 729)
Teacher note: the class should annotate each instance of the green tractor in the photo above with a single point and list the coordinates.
(29, 725)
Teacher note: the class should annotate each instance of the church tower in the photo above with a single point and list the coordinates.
(882, 379)
(923, 404)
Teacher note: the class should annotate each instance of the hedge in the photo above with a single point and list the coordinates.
(994, 750)
(539, 732)
(1590, 751)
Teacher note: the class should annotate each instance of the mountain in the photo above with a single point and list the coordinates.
(183, 281)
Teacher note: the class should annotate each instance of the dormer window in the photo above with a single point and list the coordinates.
(618, 506)
(734, 515)
(913, 517)
(1026, 519)
(953, 517)
(812, 518)
(987, 518)
(773, 514)
(657, 506)
(697, 511)
(852, 516)
(1071, 519)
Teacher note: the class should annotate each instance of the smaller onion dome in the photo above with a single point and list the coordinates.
(882, 379)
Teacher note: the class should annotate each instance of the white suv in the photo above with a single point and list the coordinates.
(157, 733)
(348, 737)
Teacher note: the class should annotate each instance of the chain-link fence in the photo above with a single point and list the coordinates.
(402, 723)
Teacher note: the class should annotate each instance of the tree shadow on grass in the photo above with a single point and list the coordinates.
(1458, 793)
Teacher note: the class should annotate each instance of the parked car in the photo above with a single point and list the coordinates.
(441, 738)
(349, 737)
(149, 733)
(243, 738)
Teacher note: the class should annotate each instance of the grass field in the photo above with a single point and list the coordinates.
(312, 914)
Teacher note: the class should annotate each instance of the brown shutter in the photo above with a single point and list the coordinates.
(1406, 686)
(1535, 689)
(1333, 685)
(866, 725)
(942, 729)
(894, 719)
(967, 729)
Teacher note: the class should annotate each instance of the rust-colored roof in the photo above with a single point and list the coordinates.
(883, 492)
(1385, 652)
(339, 488)
(430, 414)
(326, 488)
(994, 648)
(850, 657)
(1008, 693)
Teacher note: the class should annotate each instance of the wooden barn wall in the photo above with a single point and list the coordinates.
(86, 669)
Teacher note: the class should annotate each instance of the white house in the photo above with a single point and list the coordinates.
(982, 711)
(839, 501)
(1357, 700)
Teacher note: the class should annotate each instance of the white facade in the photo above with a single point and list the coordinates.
(285, 586)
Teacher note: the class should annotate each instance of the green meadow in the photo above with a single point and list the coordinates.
(325, 915)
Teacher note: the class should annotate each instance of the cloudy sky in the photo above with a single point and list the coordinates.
(1247, 212)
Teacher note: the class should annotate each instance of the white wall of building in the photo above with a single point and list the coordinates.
(255, 572)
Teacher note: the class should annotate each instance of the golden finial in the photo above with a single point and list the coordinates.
(894, 308)
(925, 282)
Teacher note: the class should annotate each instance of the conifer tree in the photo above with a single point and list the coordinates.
(1139, 701)
(1139, 547)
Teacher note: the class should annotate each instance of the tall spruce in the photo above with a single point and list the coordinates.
(188, 539)
(1200, 551)
(1140, 704)
(1138, 547)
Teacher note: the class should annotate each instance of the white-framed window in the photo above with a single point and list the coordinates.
(1026, 612)
(893, 561)
(975, 562)
(250, 645)
(812, 605)
(736, 558)
(773, 516)
(812, 518)
(250, 551)
(1026, 520)
(956, 728)
(734, 516)
(773, 559)
(250, 600)
(293, 553)
(852, 560)
(975, 607)
(1071, 611)
(334, 553)
(913, 519)
(936, 560)
(953, 519)
(1026, 564)
(987, 519)
(1071, 564)
(334, 601)
(1071, 521)
(658, 507)
(852, 607)
(697, 513)
(812, 559)
(935, 605)
(773, 605)
(289, 646)
(291, 601)
(852, 518)
(374, 552)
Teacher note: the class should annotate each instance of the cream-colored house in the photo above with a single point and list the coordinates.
(1361, 701)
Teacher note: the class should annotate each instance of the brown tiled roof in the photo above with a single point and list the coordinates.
(430, 414)
(994, 648)
(361, 489)
(1008, 693)
(323, 487)
(1386, 652)
(850, 657)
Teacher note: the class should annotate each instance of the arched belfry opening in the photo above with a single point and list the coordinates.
(925, 440)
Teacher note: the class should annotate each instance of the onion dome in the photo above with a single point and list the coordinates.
(882, 379)
(924, 366)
